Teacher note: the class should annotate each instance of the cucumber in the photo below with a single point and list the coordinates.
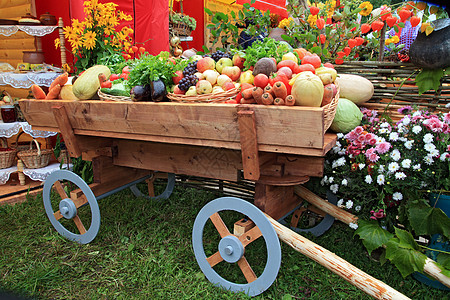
(115, 92)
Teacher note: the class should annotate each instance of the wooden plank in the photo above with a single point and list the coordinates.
(17, 43)
(179, 159)
(248, 272)
(276, 126)
(15, 12)
(64, 125)
(214, 259)
(300, 165)
(220, 225)
(249, 144)
(276, 201)
(105, 171)
(13, 3)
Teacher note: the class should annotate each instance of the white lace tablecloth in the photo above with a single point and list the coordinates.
(10, 129)
(39, 30)
(34, 174)
(26, 80)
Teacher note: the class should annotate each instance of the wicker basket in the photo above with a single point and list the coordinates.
(7, 155)
(179, 29)
(35, 158)
(329, 110)
(107, 97)
(20, 145)
(206, 98)
(63, 156)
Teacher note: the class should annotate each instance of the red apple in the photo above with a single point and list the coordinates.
(238, 60)
(233, 72)
(228, 86)
(286, 70)
(178, 91)
(206, 63)
(176, 79)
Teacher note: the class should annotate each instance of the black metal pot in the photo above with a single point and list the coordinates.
(432, 51)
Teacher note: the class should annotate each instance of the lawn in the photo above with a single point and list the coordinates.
(143, 251)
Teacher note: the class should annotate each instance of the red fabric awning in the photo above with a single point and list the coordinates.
(274, 6)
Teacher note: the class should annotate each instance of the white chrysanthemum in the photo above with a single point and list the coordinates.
(342, 152)
(402, 139)
(334, 188)
(447, 105)
(368, 179)
(395, 155)
(427, 138)
(344, 182)
(349, 204)
(330, 179)
(380, 179)
(400, 128)
(340, 203)
(406, 163)
(380, 169)
(429, 147)
(384, 125)
(353, 226)
(416, 129)
(443, 156)
(406, 120)
(382, 130)
(357, 208)
(393, 136)
(361, 166)
(324, 180)
(400, 175)
(397, 196)
(416, 167)
(409, 144)
(428, 160)
(434, 153)
(417, 113)
(340, 135)
(393, 166)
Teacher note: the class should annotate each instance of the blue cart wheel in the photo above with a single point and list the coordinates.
(320, 228)
(163, 196)
(231, 249)
(69, 208)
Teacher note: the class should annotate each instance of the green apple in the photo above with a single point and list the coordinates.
(222, 63)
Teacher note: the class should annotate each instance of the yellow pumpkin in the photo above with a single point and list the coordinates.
(308, 90)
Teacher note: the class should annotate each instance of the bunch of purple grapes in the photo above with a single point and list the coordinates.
(190, 69)
(219, 54)
(187, 81)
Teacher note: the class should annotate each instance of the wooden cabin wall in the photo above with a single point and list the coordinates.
(11, 47)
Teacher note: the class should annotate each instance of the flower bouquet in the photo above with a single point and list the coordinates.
(97, 39)
(383, 171)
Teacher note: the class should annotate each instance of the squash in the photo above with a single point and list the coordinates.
(355, 88)
(87, 84)
(66, 93)
(308, 90)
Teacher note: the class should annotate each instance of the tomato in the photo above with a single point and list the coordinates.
(114, 77)
(126, 69)
(261, 80)
(312, 59)
(124, 76)
(106, 84)
(307, 67)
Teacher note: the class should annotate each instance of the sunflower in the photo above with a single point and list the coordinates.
(312, 20)
(77, 26)
(366, 8)
(57, 43)
(89, 40)
(69, 32)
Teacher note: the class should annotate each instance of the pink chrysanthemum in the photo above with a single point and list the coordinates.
(383, 147)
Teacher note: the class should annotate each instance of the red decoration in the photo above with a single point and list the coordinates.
(391, 21)
(365, 28)
(314, 10)
(320, 23)
(377, 25)
(415, 20)
(352, 43)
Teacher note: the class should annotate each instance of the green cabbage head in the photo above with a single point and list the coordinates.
(347, 117)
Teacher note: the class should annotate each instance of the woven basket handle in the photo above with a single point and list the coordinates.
(16, 145)
(4, 142)
(37, 146)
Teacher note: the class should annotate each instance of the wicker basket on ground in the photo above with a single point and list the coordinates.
(35, 158)
(7, 155)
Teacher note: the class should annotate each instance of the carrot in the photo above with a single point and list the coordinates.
(247, 101)
(53, 93)
(38, 92)
(290, 100)
(61, 80)
(267, 99)
(268, 89)
(247, 94)
(280, 90)
(246, 85)
(257, 93)
(102, 78)
(278, 101)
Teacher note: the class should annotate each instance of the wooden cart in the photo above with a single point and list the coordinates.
(276, 147)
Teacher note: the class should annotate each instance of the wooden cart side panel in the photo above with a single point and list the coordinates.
(276, 126)
(179, 159)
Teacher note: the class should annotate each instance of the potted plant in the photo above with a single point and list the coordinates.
(383, 172)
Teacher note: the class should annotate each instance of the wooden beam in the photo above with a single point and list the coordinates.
(65, 127)
(249, 144)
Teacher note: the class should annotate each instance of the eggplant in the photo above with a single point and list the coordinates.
(158, 90)
(141, 93)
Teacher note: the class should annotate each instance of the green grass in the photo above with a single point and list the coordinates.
(143, 251)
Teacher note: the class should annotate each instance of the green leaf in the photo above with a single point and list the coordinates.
(444, 260)
(429, 80)
(208, 11)
(426, 220)
(372, 234)
(406, 260)
(406, 240)
(317, 50)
